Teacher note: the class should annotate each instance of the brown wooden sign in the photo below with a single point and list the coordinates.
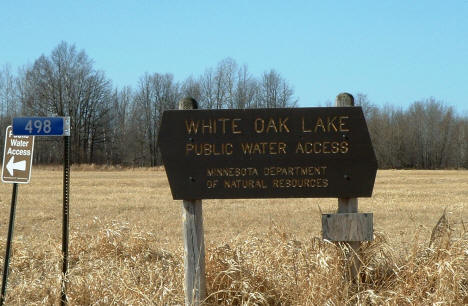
(17, 158)
(268, 153)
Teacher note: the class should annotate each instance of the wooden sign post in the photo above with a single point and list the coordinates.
(194, 244)
(349, 205)
(347, 225)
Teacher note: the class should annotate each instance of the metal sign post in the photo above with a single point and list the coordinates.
(65, 232)
(9, 240)
(54, 126)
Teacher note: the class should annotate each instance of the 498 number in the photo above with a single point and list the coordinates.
(38, 126)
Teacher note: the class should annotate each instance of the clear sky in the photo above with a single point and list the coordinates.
(396, 52)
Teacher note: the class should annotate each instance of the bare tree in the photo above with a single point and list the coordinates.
(117, 145)
(8, 93)
(66, 84)
(246, 90)
(368, 108)
(275, 91)
(9, 107)
(231, 86)
(207, 97)
(224, 79)
(156, 93)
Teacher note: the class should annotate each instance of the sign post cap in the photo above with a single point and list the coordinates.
(188, 103)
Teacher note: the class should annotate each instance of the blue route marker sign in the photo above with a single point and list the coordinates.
(41, 126)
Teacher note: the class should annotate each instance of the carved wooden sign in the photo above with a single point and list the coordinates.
(268, 153)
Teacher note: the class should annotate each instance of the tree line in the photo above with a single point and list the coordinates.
(426, 135)
(119, 126)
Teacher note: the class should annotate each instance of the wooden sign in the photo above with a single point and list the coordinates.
(268, 153)
(17, 158)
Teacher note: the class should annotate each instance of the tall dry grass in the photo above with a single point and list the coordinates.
(125, 252)
(126, 266)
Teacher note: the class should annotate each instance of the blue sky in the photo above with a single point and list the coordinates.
(396, 52)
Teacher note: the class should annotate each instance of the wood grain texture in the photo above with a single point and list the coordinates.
(349, 205)
(194, 241)
(194, 252)
(348, 227)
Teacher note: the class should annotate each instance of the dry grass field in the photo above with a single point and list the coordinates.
(126, 243)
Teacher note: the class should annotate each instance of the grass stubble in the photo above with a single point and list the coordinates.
(126, 244)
